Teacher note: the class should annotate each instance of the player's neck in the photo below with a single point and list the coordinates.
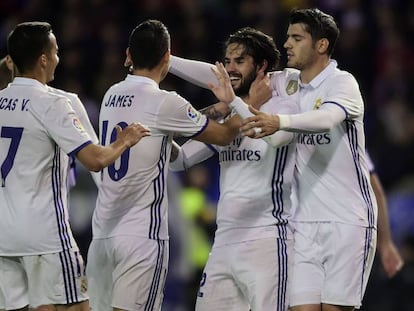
(35, 75)
(309, 73)
(155, 74)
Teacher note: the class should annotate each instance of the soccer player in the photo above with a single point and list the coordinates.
(335, 221)
(39, 259)
(7, 73)
(249, 262)
(128, 256)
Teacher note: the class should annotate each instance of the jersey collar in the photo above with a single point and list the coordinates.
(322, 75)
(141, 79)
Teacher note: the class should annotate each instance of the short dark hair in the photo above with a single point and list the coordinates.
(148, 43)
(256, 44)
(318, 24)
(26, 42)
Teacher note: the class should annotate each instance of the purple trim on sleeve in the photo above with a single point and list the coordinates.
(74, 152)
(211, 148)
(340, 106)
(202, 129)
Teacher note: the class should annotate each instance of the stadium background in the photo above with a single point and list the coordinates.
(375, 45)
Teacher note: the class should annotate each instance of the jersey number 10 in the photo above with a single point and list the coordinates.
(115, 173)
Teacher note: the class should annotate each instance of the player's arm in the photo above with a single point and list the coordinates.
(189, 154)
(80, 110)
(196, 72)
(96, 157)
(390, 257)
(220, 134)
(315, 121)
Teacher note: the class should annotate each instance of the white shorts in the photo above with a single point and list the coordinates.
(127, 272)
(332, 263)
(251, 274)
(57, 278)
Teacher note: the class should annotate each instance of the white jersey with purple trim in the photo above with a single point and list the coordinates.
(332, 174)
(80, 111)
(38, 129)
(132, 198)
(255, 186)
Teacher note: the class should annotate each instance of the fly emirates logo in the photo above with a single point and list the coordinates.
(233, 152)
(314, 139)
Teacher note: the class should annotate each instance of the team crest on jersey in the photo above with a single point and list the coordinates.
(193, 114)
(77, 124)
(292, 87)
(84, 284)
(318, 104)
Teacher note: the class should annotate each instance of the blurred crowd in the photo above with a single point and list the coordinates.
(375, 45)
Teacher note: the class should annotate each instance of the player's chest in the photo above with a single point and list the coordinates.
(311, 99)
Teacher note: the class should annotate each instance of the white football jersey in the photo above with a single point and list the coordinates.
(255, 184)
(132, 198)
(332, 174)
(38, 129)
(80, 111)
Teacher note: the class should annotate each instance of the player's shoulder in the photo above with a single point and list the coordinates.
(73, 97)
(47, 102)
(70, 95)
(285, 82)
(342, 78)
(172, 97)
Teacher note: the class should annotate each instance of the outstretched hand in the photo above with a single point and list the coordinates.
(132, 134)
(259, 125)
(260, 90)
(223, 91)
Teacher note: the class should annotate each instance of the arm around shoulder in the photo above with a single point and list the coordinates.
(95, 157)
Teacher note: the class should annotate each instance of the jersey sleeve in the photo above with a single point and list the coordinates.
(345, 93)
(195, 72)
(315, 121)
(177, 115)
(62, 124)
(191, 153)
(80, 111)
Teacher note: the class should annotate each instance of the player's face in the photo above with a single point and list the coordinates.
(301, 52)
(240, 67)
(52, 58)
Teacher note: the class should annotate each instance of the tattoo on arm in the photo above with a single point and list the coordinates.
(212, 113)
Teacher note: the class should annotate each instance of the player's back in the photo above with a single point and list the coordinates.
(132, 198)
(33, 172)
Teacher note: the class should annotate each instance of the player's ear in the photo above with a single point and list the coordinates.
(43, 60)
(322, 45)
(128, 61)
(263, 66)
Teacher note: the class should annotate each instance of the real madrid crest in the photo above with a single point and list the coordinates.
(318, 103)
(292, 87)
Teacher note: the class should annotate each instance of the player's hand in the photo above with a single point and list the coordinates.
(223, 91)
(259, 125)
(260, 90)
(391, 259)
(132, 134)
